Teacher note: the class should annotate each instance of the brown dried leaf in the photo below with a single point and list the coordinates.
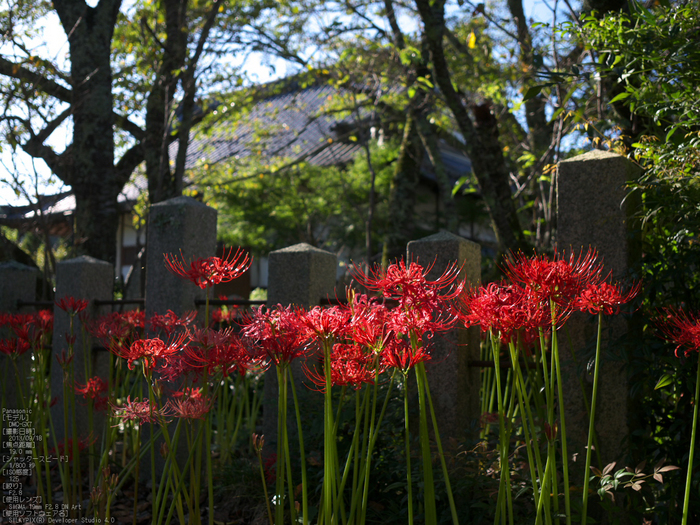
(608, 468)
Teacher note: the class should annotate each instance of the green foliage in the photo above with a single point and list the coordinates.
(653, 56)
(267, 206)
(651, 60)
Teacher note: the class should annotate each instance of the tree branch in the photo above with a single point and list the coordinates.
(40, 82)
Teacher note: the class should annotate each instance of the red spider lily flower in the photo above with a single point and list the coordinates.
(368, 325)
(173, 370)
(14, 347)
(605, 298)
(350, 366)
(116, 330)
(35, 328)
(71, 305)
(324, 323)
(93, 389)
(410, 286)
(681, 328)
(274, 335)
(226, 358)
(43, 321)
(505, 309)
(64, 360)
(208, 271)
(559, 279)
(424, 305)
(169, 322)
(141, 411)
(399, 354)
(66, 448)
(190, 407)
(188, 392)
(151, 351)
(208, 337)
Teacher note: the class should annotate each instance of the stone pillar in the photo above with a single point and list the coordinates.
(181, 224)
(17, 282)
(82, 278)
(299, 275)
(181, 227)
(594, 210)
(454, 384)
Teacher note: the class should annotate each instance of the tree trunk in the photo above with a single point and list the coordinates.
(402, 196)
(93, 176)
(481, 136)
(160, 111)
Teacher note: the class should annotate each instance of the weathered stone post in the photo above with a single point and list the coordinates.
(300, 275)
(89, 279)
(454, 384)
(17, 282)
(182, 227)
(181, 224)
(594, 210)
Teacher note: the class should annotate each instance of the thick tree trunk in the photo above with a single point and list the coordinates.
(482, 143)
(402, 196)
(93, 176)
(162, 183)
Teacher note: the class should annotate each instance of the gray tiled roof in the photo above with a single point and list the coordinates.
(293, 125)
(297, 125)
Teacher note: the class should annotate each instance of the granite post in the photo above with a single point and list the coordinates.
(297, 275)
(595, 211)
(89, 279)
(17, 282)
(454, 384)
(181, 225)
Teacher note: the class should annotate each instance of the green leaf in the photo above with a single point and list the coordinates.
(532, 92)
(665, 380)
(621, 96)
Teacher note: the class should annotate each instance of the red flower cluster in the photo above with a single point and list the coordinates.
(682, 329)
(538, 284)
(208, 271)
(275, 335)
(424, 306)
(141, 411)
(152, 351)
(168, 323)
(190, 407)
(34, 329)
(219, 351)
(71, 305)
(93, 389)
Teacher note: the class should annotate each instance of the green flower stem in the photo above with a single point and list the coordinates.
(285, 443)
(366, 465)
(264, 484)
(428, 480)
(534, 462)
(302, 453)
(591, 424)
(279, 465)
(689, 476)
(562, 428)
(504, 487)
(450, 497)
(180, 489)
(136, 473)
(408, 449)
(329, 444)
